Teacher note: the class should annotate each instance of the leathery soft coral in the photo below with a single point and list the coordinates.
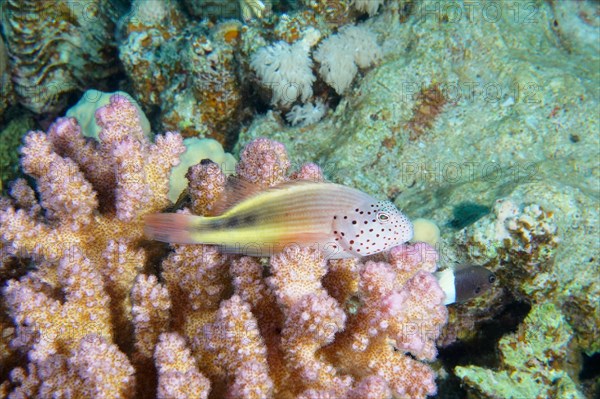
(103, 313)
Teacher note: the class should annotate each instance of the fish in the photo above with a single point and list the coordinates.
(340, 221)
(464, 282)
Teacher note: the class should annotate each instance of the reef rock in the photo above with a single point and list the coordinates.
(541, 241)
(7, 96)
(469, 106)
(58, 47)
(186, 69)
(535, 362)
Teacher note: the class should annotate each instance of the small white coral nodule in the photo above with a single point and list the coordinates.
(306, 114)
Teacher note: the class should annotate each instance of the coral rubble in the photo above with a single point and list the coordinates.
(99, 309)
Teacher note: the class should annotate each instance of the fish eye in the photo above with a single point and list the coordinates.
(477, 290)
(492, 279)
(383, 217)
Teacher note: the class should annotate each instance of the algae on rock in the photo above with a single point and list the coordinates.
(10, 141)
(534, 363)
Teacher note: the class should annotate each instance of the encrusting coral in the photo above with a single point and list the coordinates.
(101, 312)
(189, 66)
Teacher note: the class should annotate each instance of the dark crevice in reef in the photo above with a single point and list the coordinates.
(481, 350)
(591, 367)
(589, 375)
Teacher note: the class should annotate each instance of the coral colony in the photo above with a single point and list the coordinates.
(102, 312)
(478, 117)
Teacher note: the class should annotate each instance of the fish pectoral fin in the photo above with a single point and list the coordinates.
(318, 240)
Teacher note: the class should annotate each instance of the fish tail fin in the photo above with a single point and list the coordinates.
(172, 227)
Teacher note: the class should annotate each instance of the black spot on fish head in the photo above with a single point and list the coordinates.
(387, 226)
(349, 230)
(472, 281)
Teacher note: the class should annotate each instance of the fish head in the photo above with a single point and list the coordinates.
(371, 227)
(472, 281)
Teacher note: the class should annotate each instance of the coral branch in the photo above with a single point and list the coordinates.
(150, 310)
(235, 340)
(50, 326)
(178, 375)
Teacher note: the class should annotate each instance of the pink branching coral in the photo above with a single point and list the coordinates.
(124, 176)
(101, 312)
(178, 375)
(70, 348)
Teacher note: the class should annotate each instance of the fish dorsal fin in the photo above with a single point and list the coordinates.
(236, 191)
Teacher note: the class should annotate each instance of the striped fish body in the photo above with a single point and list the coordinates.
(334, 218)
